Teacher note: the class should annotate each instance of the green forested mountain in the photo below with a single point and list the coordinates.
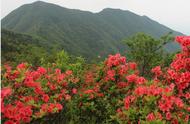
(81, 32)
(16, 47)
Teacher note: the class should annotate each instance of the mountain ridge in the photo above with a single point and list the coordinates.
(81, 32)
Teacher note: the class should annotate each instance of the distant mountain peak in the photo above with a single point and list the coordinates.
(40, 2)
(81, 32)
(112, 10)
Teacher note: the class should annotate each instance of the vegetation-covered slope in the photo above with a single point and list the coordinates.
(81, 32)
(16, 47)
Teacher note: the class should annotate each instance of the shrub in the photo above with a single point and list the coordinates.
(109, 93)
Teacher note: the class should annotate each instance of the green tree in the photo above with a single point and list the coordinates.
(147, 51)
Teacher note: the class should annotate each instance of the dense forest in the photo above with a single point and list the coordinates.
(82, 33)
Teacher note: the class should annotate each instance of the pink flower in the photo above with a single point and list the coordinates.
(128, 100)
(178, 102)
(110, 75)
(141, 90)
(59, 106)
(168, 116)
(68, 72)
(141, 80)
(89, 91)
(21, 66)
(74, 91)
(6, 91)
(150, 117)
(157, 71)
(41, 70)
(132, 65)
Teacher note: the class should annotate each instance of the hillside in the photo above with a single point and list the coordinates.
(16, 47)
(81, 32)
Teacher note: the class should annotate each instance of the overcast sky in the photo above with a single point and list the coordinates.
(172, 13)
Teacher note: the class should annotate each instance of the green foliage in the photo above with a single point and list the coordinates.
(62, 60)
(147, 51)
(82, 33)
(17, 48)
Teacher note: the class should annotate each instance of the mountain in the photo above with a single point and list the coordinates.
(81, 32)
(17, 47)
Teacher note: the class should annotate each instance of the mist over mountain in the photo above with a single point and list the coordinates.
(82, 32)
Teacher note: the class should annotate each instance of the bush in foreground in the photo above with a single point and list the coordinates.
(111, 93)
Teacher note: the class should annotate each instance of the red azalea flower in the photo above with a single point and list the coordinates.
(150, 117)
(74, 91)
(131, 78)
(6, 91)
(133, 65)
(157, 71)
(59, 106)
(45, 98)
(10, 122)
(41, 70)
(21, 66)
(68, 72)
(168, 116)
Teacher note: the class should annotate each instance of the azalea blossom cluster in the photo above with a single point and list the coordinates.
(113, 92)
(166, 97)
(28, 94)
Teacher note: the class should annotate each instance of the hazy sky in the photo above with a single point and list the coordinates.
(172, 13)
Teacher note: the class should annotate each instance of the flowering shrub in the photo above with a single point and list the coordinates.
(28, 94)
(111, 93)
(164, 99)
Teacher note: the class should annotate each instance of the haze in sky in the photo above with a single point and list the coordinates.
(172, 13)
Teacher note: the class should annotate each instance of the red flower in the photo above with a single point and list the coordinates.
(168, 116)
(115, 60)
(74, 91)
(119, 110)
(178, 102)
(132, 65)
(68, 72)
(141, 80)
(41, 70)
(122, 84)
(157, 71)
(166, 104)
(131, 78)
(45, 98)
(159, 116)
(183, 40)
(6, 91)
(89, 91)
(51, 108)
(59, 106)
(127, 103)
(141, 90)
(44, 107)
(67, 97)
(110, 75)
(187, 118)
(21, 66)
(10, 122)
(26, 119)
(128, 100)
(150, 117)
